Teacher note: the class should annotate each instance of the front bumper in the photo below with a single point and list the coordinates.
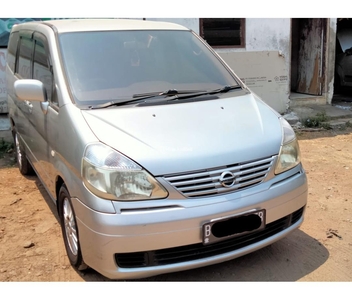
(129, 244)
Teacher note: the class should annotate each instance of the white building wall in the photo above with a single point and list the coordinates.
(268, 35)
(330, 60)
(265, 62)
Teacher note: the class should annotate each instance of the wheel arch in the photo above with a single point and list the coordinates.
(58, 185)
(12, 124)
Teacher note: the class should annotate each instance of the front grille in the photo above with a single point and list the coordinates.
(207, 182)
(198, 251)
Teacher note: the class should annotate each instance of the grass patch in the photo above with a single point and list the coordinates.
(348, 124)
(320, 120)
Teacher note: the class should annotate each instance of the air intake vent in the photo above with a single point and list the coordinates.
(197, 251)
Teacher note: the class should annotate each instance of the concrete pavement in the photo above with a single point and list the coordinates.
(338, 113)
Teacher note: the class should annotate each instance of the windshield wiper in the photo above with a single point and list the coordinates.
(171, 92)
(168, 95)
(123, 102)
(190, 93)
(225, 89)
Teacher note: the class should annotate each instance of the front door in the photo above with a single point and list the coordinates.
(310, 70)
(40, 120)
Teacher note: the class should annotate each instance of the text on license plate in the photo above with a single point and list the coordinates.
(224, 228)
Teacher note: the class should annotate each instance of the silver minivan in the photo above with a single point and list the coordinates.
(158, 157)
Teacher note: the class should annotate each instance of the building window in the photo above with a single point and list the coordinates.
(223, 32)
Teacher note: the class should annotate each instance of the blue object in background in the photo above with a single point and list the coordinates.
(6, 25)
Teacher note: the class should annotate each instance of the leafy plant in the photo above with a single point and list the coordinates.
(5, 147)
(348, 124)
(319, 120)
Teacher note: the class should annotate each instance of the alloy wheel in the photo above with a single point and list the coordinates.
(70, 226)
(18, 151)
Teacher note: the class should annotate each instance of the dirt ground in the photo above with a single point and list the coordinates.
(32, 249)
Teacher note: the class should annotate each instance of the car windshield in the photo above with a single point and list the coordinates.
(115, 65)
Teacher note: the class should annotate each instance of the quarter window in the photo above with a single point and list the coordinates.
(24, 59)
(223, 32)
(41, 68)
(11, 51)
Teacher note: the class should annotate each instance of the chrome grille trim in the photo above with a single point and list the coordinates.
(204, 183)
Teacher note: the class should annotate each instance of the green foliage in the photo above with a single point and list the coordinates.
(319, 120)
(348, 124)
(5, 147)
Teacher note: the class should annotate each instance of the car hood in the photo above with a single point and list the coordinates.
(173, 138)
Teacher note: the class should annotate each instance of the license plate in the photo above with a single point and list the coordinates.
(224, 228)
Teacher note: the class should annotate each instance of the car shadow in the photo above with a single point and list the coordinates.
(45, 195)
(289, 259)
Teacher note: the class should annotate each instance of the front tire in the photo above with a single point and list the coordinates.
(23, 164)
(70, 230)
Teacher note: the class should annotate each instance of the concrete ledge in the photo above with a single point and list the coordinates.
(5, 128)
(301, 100)
(339, 123)
(4, 122)
(6, 136)
(332, 112)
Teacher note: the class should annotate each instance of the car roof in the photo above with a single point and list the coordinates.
(76, 25)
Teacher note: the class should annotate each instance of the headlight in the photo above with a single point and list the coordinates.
(289, 156)
(111, 175)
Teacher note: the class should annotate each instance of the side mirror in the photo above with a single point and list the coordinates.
(31, 90)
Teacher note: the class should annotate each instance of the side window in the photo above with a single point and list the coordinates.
(41, 68)
(12, 50)
(23, 67)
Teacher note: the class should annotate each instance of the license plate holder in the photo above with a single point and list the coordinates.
(225, 228)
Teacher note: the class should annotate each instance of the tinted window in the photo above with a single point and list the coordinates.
(11, 50)
(41, 67)
(24, 59)
(105, 66)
